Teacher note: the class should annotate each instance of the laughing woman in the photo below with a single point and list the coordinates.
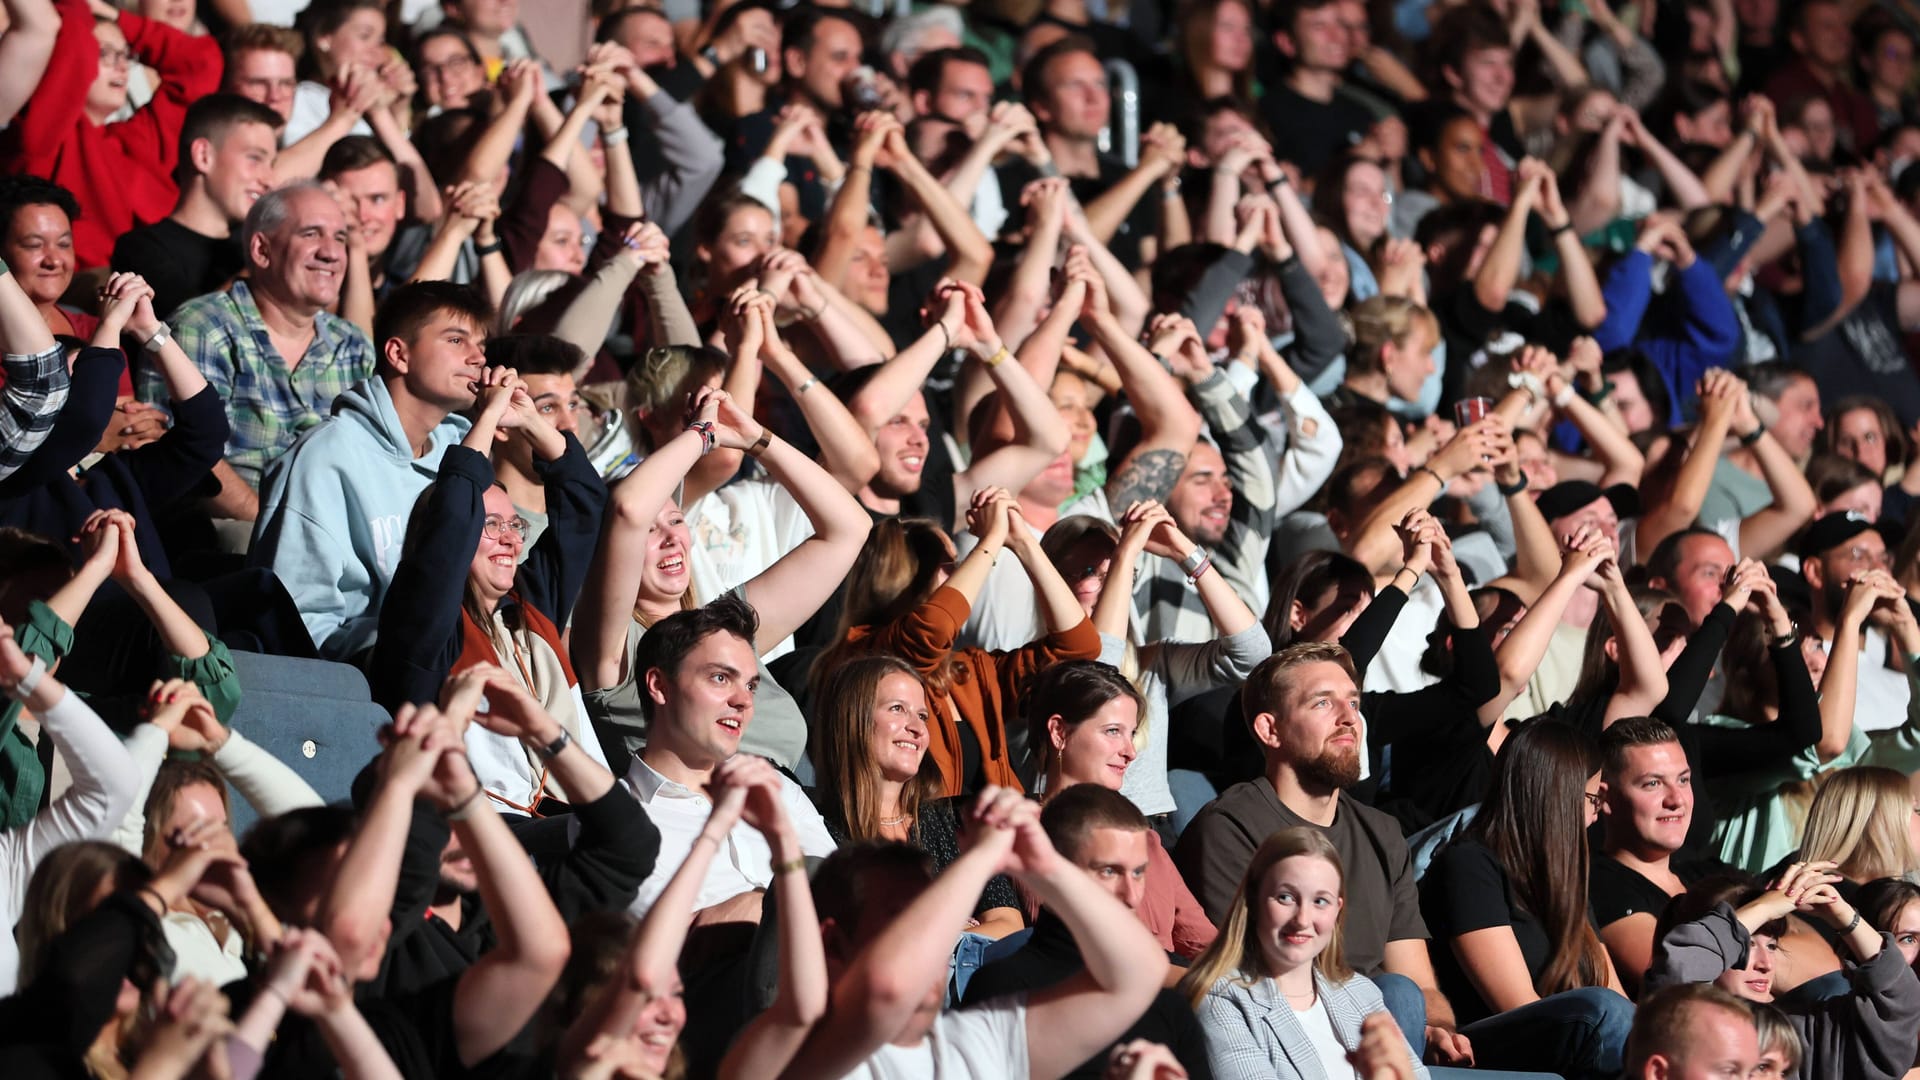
(640, 574)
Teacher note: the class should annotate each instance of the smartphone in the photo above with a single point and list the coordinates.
(756, 60)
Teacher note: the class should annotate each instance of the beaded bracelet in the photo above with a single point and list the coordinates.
(705, 428)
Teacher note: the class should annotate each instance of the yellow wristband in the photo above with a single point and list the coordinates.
(998, 358)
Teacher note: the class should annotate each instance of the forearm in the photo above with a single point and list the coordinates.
(592, 311)
(969, 252)
(22, 330)
(1104, 214)
(356, 1049)
(438, 261)
(1727, 168)
(70, 600)
(302, 160)
(423, 195)
(1685, 188)
(356, 294)
(897, 380)
(1059, 608)
(1113, 611)
(666, 309)
(491, 152)
(1116, 949)
(1643, 676)
(847, 330)
(1157, 397)
(179, 634)
(1501, 268)
(845, 450)
(1583, 285)
(236, 500)
(582, 778)
(846, 219)
(358, 903)
(623, 182)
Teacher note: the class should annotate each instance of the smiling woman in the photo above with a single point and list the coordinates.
(1274, 990)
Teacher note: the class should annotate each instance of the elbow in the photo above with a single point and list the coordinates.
(1053, 439)
(545, 954)
(1828, 748)
(1490, 297)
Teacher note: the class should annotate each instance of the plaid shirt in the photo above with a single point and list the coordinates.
(36, 388)
(267, 404)
(1171, 606)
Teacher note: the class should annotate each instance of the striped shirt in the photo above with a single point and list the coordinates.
(268, 403)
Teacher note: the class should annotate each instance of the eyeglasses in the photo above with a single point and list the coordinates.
(111, 57)
(1593, 800)
(1861, 554)
(496, 527)
(453, 65)
(1086, 572)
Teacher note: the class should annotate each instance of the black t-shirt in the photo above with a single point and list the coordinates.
(1614, 891)
(1308, 132)
(1864, 355)
(1466, 889)
(179, 263)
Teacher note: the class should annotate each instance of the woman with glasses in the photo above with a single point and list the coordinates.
(1099, 563)
(470, 590)
(451, 72)
(1506, 901)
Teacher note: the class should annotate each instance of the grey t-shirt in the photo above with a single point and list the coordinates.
(778, 730)
(1383, 903)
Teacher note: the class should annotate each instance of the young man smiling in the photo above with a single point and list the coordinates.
(698, 674)
(334, 508)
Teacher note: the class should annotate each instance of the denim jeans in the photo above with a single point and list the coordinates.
(1408, 1006)
(1580, 1034)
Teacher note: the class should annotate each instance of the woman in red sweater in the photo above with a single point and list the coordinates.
(121, 172)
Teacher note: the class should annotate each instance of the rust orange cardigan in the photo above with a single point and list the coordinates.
(987, 688)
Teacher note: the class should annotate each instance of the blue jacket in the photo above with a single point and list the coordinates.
(334, 510)
(1693, 330)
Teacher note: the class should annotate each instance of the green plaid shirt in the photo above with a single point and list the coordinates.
(268, 405)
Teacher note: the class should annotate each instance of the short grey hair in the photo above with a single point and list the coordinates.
(903, 36)
(271, 212)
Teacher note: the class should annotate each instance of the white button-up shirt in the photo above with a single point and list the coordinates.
(744, 862)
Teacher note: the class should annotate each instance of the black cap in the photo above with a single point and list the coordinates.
(1571, 496)
(1833, 530)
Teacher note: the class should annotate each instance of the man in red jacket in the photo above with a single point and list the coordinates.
(120, 172)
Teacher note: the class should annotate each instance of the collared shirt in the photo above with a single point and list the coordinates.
(744, 862)
(268, 404)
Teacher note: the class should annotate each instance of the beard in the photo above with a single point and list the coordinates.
(1331, 768)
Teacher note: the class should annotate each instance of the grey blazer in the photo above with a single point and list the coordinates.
(1252, 1033)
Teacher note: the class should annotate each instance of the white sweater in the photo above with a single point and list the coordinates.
(103, 789)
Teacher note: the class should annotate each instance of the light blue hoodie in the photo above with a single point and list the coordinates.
(334, 509)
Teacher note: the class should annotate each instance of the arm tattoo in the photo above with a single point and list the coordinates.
(1150, 475)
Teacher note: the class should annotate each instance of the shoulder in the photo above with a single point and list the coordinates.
(215, 309)
(1381, 827)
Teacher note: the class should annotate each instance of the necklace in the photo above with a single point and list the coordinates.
(890, 822)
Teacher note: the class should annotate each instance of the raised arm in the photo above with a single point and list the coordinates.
(1039, 434)
(1520, 652)
(35, 368)
(1059, 608)
(515, 89)
(851, 210)
(25, 50)
(1576, 269)
(945, 226)
(1768, 530)
(788, 593)
(1162, 151)
(1622, 461)
(1169, 426)
(889, 978)
(1839, 686)
(1500, 270)
(846, 452)
(1720, 393)
(1684, 187)
(1643, 677)
(613, 582)
(503, 990)
(776, 1035)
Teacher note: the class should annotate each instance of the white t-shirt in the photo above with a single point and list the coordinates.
(1396, 667)
(1326, 1045)
(981, 1042)
(738, 532)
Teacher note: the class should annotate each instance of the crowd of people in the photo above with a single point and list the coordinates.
(1385, 553)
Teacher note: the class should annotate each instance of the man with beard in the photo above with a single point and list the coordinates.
(1303, 706)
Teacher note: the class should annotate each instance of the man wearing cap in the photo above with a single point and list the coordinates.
(1569, 506)
(1834, 549)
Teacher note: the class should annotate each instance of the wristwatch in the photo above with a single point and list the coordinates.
(552, 750)
(159, 339)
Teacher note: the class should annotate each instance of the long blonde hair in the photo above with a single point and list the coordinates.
(1235, 953)
(1859, 820)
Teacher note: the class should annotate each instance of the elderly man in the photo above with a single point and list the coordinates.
(268, 344)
